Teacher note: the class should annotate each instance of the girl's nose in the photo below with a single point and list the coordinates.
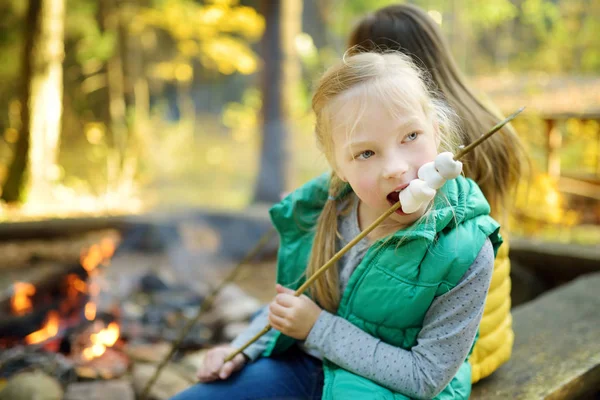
(394, 169)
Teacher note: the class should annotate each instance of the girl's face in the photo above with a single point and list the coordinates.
(381, 154)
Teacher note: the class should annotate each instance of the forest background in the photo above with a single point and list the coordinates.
(126, 106)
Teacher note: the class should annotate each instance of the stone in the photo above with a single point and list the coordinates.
(34, 385)
(556, 354)
(100, 390)
(148, 352)
(233, 329)
(170, 381)
(234, 305)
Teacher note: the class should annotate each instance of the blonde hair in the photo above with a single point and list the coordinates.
(496, 165)
(398, 83)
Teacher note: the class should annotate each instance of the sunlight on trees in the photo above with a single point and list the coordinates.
(163, 99)
(216, 34)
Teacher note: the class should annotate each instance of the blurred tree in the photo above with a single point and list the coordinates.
(41, 102)
(110, 22)
(280, 78)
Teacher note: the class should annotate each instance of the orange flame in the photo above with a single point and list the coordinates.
(90, 311)
(100, 341)
(92, 258)
(97, 254)
(74, 285)
(48, 330)
(20, 302)
(107, 247)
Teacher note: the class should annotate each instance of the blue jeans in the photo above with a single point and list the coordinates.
(291, 375)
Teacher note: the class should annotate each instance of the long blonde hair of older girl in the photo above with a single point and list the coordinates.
(393, 78)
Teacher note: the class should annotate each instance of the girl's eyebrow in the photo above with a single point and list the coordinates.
(358, 144)
(407, 123)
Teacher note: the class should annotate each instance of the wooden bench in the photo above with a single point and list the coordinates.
(556, 354)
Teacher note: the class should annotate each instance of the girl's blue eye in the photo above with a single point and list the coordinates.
(411, 136)
(366, 154)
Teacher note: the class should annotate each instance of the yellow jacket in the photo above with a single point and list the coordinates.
(494, 346)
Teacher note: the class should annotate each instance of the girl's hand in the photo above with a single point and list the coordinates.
(214, 367)
(293, 316)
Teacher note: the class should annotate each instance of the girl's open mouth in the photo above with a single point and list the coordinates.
(394, 197)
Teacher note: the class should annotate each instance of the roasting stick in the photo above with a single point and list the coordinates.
(368, 230)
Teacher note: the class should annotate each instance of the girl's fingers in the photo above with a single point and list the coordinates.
(226, 370)
(283, 289)
(286, 300)
(214, 362)
(278, 309)
(232, 366)
(204, 375)
(278, 323)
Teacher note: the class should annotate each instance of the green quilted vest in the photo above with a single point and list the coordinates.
(391, 289)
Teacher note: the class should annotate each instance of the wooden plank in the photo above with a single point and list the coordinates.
(557, 262)
(556, 353)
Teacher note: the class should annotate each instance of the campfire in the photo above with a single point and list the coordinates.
(100, 316)
(62, 311)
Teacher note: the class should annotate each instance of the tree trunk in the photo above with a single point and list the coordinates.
(110, 22)
(280, 79)
(36, 150)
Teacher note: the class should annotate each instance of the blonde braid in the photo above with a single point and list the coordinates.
(325, 290)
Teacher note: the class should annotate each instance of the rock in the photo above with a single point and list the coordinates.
(234, 305)
(233, 329)
(169, 382)
(34, 385)
(100, 390)
(148, 352)
(152, 282)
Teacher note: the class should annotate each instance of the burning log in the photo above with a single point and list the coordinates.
(110, 365)
(20, 358)
(15, 286)
(19, 254)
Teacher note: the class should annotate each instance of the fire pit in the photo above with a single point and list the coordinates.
(106, 316)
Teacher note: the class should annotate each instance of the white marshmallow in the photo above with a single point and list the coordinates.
(431, 176)
(413, 196)
(446, 166)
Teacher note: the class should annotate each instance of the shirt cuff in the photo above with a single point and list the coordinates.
(317, 334)
(252, 352)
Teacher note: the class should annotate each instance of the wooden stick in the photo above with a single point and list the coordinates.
(206, 304)
(328, 264)
(368, 230)
(484, 137)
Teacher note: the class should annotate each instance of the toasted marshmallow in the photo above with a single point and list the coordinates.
(431, 176)
(413, 196)
(446, 166)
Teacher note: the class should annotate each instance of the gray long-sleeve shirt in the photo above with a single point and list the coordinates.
(449, 328)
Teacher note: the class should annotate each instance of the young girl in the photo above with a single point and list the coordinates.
(496, 165)
(397, 317)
